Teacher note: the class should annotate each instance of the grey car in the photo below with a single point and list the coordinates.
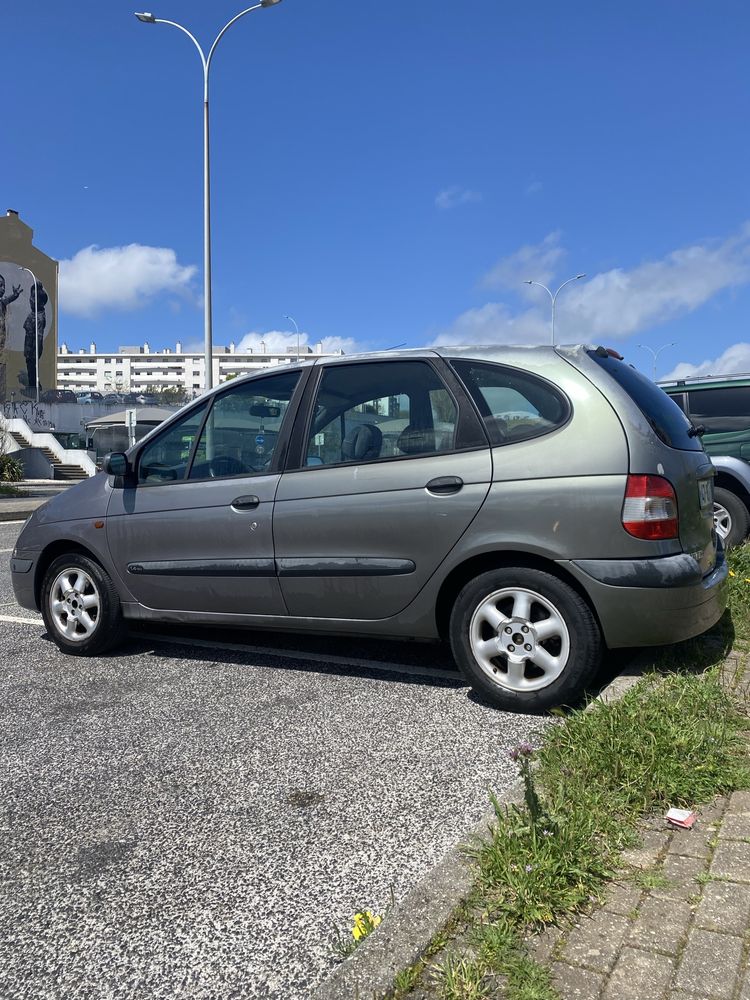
(530, 506)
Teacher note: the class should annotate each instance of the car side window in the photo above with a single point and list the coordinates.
(375, 411)
(514, 405)
(721, 411)
(242, 429)
(165, 459)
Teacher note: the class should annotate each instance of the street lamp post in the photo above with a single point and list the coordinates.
(655, 353)
(148, 18)
(36, 329)
(553, 297)
(293, 320)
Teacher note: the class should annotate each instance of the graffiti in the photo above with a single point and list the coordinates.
(34, 414)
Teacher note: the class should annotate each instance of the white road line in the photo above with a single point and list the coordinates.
(293, 654)
(21, 621)
(6, 550)
(2, 523)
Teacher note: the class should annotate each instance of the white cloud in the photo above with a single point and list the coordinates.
(122, 278)
(455, 196)
(279, 340)
(614, 303)
(532, 188)
(535, 261)
(735, 359)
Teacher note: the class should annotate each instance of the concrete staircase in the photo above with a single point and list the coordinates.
(67, 463)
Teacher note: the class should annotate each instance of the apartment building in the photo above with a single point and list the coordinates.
(139, 369)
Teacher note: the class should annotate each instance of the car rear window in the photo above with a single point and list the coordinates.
(664, 416)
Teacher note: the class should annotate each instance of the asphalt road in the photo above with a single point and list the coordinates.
(183, 819)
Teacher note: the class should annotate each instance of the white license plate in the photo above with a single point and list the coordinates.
(706, 492)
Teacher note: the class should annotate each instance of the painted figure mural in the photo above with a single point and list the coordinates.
(34, 326)
(5, 301)
(25, 320)
(28, 313)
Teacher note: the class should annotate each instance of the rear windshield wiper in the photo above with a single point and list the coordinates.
(696, 430)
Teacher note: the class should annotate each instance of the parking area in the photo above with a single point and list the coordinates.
(192, 815)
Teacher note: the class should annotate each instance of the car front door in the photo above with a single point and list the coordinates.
(391, 467)
(193, 532)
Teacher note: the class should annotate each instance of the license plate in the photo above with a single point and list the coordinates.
(706, 492)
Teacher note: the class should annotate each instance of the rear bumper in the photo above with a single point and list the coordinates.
(653, 602)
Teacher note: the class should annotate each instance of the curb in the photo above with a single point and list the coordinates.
(403, 939)
(21, 513)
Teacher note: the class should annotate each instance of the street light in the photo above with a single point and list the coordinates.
(291, 318)
(576, 277)
(655, 353)
(146, 17)
(36, 328)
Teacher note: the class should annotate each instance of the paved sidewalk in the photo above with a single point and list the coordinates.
(687, 939)
(19, 508)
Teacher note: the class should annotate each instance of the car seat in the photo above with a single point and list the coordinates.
(361, 443)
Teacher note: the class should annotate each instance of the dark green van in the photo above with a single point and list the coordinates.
(721, 405)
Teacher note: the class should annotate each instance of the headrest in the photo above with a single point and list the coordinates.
(416, 440)
(361, 443)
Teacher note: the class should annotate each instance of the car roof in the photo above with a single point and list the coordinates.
(706, 381)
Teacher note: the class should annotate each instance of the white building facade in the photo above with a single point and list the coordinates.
(139, 369)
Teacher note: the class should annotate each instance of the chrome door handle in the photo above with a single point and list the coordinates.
(246, 503)
(443, 486)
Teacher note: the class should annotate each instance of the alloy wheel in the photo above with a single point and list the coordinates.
(519, 639)
(74, 604)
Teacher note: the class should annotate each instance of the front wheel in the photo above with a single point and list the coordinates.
(525, 639)
(81, 606)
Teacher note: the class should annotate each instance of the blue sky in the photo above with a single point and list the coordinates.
(391, 173)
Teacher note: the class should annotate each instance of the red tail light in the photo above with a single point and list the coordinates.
(650, 508)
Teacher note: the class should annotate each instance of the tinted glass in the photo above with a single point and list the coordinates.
(243, 427)
(664, 416)
(721, 411)
(515, 406)
(165, 459)
(370, 412)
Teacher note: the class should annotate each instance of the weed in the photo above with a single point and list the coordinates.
(460, 978)
(650, 878)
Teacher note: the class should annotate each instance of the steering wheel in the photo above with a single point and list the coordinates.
(225, 465)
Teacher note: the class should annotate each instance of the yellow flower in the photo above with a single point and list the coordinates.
(732, 572)
(364, 923)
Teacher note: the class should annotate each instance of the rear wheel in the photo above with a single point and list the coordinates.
(731, 517)
(525, 639)
(81, 606)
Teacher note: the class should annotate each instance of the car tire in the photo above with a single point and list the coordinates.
(502, 615)
(81, 606)
(731, 517)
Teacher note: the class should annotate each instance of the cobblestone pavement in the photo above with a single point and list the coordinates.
(688, 939)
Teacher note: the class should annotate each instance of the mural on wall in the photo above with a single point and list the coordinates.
(26, 321)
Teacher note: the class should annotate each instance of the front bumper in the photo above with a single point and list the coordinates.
(653, 602)
(22, 575)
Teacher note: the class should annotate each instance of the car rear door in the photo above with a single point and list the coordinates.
(389, 468)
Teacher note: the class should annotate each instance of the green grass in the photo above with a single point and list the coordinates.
(677, 738)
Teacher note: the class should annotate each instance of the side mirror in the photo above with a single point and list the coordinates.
(117, 464)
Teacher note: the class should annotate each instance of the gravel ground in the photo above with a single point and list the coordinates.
(184, 821)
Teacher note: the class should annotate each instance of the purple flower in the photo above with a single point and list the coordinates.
(546, 833)
(529, 868)
(524, 749)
